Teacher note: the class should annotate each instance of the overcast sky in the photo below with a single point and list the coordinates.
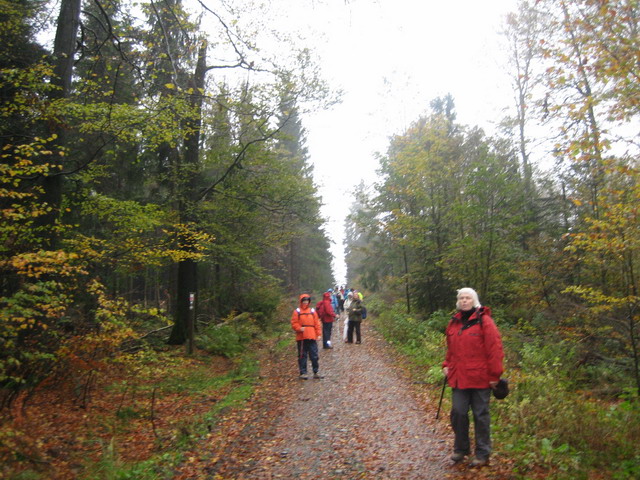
(392, 57)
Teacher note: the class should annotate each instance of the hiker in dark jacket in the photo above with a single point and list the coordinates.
(354, 311)
(327, 315)
(306, 324)
(473, 366)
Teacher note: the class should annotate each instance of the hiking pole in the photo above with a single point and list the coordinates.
(444, 385)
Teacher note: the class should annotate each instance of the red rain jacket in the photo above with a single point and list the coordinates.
(327, 314)
(474, 354)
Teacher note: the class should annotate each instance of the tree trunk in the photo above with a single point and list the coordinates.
(187, 269)
(407, 289)
(63, 58)
(187, 283)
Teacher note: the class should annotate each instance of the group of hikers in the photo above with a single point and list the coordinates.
(311, 324)
(472, 367)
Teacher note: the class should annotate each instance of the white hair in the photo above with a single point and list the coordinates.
(469, 291)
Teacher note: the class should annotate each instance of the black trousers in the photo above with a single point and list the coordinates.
(476, 399)
(326, 333)
(353, 326)
(308, 348)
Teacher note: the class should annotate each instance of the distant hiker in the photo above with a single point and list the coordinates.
(473, 366)
(306, 324)
(355, 319)
(338, 300)
(334, 299)
(347, 304)
(327, 315)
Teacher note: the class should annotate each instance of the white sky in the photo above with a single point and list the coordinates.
(392, 57)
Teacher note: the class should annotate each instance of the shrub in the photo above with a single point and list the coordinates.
(550, 419)
(230, 338)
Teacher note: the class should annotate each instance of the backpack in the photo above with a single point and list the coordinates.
(320, 308)
(310, 313)
(363, 312)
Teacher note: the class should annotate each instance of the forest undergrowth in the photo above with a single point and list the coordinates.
(553, 420)
(138, 415)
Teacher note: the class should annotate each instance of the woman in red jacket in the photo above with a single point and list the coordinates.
(473, 366)
(306, 324)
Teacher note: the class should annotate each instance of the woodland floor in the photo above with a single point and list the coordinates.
(364, 420)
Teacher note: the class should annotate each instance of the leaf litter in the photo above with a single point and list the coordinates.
(365, 420)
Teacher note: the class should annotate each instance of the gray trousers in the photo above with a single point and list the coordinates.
(478, 400)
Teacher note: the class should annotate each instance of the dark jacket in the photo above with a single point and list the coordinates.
(355, 310)
(474, 351)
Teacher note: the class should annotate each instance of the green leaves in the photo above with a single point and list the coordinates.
(450, 208)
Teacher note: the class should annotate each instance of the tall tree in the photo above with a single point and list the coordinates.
(523, 35)
(63, 58)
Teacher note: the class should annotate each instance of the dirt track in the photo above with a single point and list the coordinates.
(364, 420)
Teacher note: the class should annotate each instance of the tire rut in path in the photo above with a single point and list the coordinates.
(361, 421)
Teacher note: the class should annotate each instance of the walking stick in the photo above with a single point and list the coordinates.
(444, 385)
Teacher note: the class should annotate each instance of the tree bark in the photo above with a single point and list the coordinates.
(63, 58)
(187, 269)
(187, 283)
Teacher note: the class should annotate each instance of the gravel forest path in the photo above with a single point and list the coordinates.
(364, 420)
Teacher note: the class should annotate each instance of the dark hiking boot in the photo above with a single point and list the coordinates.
(458, 457)
(478, 462)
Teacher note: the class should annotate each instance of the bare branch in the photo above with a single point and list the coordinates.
(236, 162)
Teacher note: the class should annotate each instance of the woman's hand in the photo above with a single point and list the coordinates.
(445, 370)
